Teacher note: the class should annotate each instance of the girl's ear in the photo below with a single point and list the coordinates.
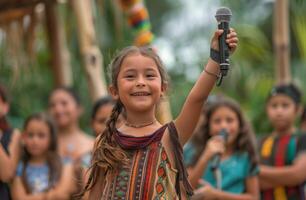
(164, 88)
(299, 110)
(113, 91)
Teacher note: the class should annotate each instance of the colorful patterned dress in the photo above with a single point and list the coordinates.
(149, 174)
(280, 152)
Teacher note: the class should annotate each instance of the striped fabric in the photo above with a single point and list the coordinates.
(149, 174)
(279, 152)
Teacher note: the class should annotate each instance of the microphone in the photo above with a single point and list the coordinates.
(223, 16)
(216, 158)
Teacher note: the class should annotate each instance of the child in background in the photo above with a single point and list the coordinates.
(65, 108)
(41, 174)
(283, 158)
(238, 160)
(142, 159)
(9, 147)
(101, 112)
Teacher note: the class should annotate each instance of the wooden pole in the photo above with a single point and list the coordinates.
(92, 57)
(281, 41)
(60, 57)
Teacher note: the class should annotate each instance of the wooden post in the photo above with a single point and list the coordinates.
(281, 41)
(60, 56)
(90, 52)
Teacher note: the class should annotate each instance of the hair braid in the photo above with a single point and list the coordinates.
(107, 155)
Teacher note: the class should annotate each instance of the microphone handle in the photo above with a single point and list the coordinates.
(215, 161)
(223, 47)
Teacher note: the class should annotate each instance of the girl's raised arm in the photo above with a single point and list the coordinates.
(188, 117)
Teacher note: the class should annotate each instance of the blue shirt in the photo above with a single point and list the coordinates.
(37, 176)
(234, 170)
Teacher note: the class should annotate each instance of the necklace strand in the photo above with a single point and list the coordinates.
(140, 125)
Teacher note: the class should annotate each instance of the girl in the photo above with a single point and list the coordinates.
(9, 147)
(283, 158)
(142, 158)
(238, 165)
(101, 111)
(65, 108)
(40, 173)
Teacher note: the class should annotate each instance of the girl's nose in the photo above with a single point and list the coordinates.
(224, 125)
(140, 81)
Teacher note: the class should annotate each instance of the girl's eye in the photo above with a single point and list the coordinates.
(217, 121)
(229, 120)
(41, 135)
(129, 76)
(150, 76)
(285, 105)
(274, 105)
(30, 134)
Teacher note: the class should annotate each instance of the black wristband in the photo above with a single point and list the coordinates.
(214, 55)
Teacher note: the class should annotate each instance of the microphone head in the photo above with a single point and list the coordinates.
(223, 14)
(224, 134)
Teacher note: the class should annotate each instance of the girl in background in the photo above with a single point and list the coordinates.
(142, 159)
(65, 108)
(41, 174)
(9, 147)
(101, 112)
(238, 160)
(283, 158)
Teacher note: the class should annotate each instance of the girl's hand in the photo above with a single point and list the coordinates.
(206, 192)
(232, 40)
(215, 145)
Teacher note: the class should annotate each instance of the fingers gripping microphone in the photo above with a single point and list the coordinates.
(216, 158)
(223, 16)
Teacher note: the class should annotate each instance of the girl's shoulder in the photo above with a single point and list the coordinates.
(85, 143)
(86, 138)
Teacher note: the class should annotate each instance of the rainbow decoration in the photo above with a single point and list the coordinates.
(138, 19)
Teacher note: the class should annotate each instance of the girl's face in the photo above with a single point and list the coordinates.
(139, 84)
(63, 108)
(224, 118)
(281, 111)
(36, 137)
(101, 117)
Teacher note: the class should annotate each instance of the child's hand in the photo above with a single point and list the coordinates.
(232, 40)
(214, 146)
(206, 192)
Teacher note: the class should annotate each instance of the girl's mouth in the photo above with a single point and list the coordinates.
(140, 94)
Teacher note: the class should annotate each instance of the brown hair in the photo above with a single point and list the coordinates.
(245, 141)
(53, 158)
(108, 155)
